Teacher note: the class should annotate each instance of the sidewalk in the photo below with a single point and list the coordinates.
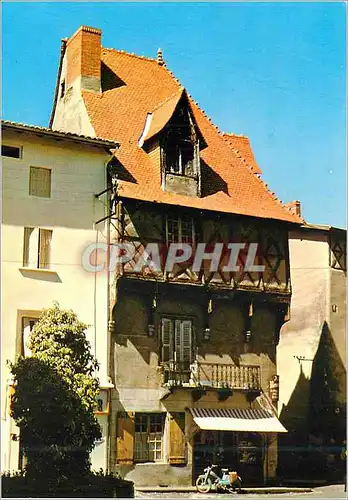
(190, 489)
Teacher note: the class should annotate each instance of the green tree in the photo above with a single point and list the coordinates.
(55, 397)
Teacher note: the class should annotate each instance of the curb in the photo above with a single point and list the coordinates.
(193, 489)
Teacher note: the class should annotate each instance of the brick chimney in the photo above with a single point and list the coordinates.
(294, 207)
(83, 59)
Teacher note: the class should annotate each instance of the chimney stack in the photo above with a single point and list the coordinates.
(294, 207)
(83, 53)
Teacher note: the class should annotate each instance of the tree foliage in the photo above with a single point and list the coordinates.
(55, 397)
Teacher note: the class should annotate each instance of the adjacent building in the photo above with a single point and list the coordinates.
(312, 355)
(49, 217)
(193, 343)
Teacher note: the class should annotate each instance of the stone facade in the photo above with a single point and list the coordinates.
(144, 299)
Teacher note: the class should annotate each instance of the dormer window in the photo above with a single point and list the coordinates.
(171, 135)
(179, 158)
(180, 145)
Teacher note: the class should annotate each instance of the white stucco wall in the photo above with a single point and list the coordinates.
(78, 171)
(310, 280)
(71, 113)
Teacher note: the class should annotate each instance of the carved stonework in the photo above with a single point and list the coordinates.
(274, 388)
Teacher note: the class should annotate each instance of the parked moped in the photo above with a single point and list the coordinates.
(228, 481)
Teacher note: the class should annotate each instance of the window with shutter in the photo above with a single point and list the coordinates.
(177, 448)
(183, 341)
(177, 345)
(149, 430)
(167, 340)
(40, 182)
(37, 248)
(26, 246)
(45, 236)
(125, 438)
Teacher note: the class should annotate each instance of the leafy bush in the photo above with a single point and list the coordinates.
(55, 397)
(93, 485)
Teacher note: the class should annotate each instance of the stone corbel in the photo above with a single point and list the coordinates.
(152, 310)
(248, 322)
(209, 310)
(282, 316)
(274, 389)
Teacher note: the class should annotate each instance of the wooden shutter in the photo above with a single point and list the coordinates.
(183, 341)
(167, 339)
(177, 448)
(125, 438)
(187, 341)
(40, 182)
(26, 245)
(45, 236)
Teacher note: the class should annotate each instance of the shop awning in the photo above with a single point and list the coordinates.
(233, 419)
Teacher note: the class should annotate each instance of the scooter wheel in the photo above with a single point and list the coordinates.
(203, 485)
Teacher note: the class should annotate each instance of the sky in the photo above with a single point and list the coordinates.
(275, 72)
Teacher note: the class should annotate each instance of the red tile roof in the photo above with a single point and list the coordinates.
(241, 145)
(121, 113)
(162, 114)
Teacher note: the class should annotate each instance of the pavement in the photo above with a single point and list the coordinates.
(327, 491)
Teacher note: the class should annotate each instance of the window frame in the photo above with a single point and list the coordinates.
(173, 341)
(37, 191)
(180, 142)
(146, 443)
(179, 219)
(28, 320)
(34, 252)
(19, 148)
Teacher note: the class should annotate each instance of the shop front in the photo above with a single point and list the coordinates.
(236, 439)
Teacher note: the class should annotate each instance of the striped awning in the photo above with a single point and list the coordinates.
(235, 419)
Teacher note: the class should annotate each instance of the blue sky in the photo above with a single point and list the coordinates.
(272, 71)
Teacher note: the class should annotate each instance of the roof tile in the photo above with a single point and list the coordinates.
(121, 113)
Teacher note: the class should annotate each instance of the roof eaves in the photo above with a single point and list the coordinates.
(322, 227)
(96, 141)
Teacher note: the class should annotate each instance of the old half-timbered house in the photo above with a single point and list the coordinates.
(192, 338)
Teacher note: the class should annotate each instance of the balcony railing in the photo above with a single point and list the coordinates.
(214, 375)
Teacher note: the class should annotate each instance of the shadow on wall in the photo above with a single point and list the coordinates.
(212, 182)
(328, 391)
(316, 418)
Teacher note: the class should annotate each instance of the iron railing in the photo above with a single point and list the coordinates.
(215, 375)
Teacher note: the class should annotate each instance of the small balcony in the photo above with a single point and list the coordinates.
(212, 375)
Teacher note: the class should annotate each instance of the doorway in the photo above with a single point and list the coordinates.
(238, 451)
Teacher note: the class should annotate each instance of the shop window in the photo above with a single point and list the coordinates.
(148, 442)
